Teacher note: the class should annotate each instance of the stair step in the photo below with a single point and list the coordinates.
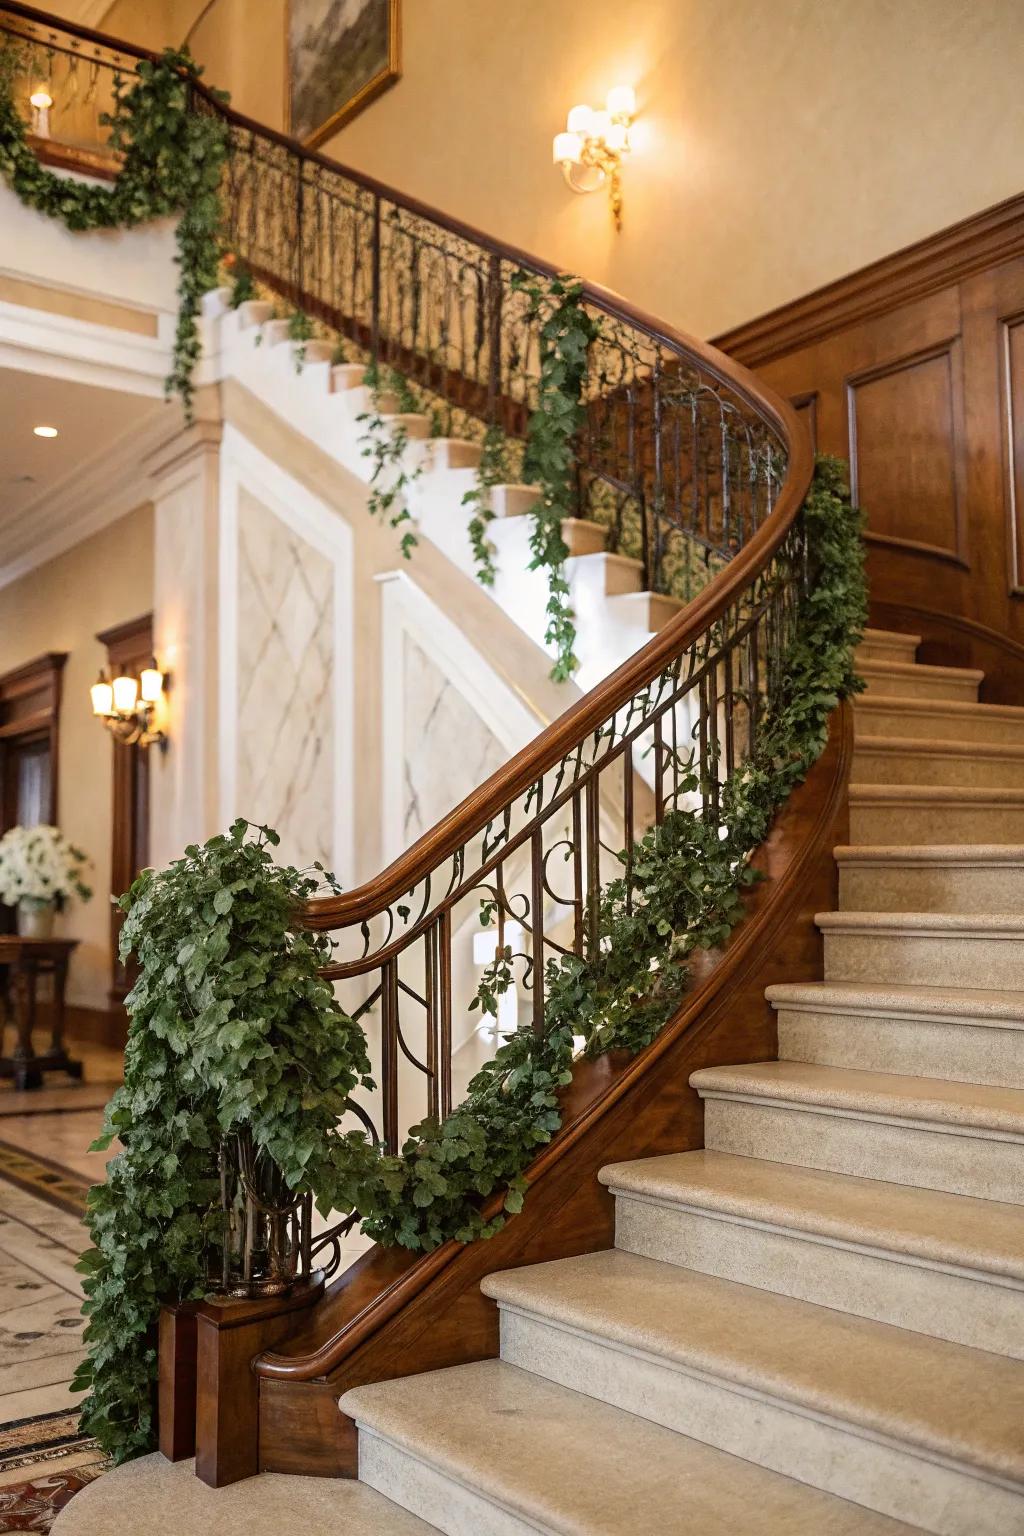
(489, 1450)
(941, 1264)
(453, 453)
(946, 949)
(934, 719)
(959, 1033)
(602, 575)
(887, 645)
(858, 1408)
(904, 760)
(151, 1494)
(939, 877)
(414, 424)
(345, 376)
(907, 813)
(896, 679)
(313, 351)
(649, 611)
(254, 312)
(581, 536)
(965, 1138)
(513, 500)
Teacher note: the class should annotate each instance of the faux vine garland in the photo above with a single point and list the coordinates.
(231, 1025)
(172, 163)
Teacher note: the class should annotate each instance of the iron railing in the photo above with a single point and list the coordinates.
(691, 464)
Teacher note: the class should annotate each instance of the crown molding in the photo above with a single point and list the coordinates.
(937, 262)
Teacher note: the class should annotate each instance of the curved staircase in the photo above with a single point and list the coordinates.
(816, 1323)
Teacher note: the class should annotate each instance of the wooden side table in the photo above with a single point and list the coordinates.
(22, 963)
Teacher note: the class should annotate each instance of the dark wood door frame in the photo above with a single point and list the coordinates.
(129, 648)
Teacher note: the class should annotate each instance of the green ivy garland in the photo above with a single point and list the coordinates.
(172, 163)
(232, 1027)
(491, 471)
(566, 331)
(385, 446)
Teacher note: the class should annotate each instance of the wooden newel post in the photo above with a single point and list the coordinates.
(229, 1335)
(176, 1393)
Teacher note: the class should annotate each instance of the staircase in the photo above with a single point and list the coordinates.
(331, 404)
(816, 1324)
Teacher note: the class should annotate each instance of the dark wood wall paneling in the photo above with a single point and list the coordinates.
(913, 369)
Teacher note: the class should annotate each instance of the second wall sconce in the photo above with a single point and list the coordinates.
(127, 705)
(595, 143)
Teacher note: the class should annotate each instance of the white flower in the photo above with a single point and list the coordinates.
(39, 864)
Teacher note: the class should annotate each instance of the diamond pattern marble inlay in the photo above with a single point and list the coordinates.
(285, 676)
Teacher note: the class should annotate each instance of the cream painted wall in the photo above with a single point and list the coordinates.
(781, 143)
(61, 606)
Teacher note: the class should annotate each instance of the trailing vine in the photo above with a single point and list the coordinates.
(391, 478)
(492, 471)
(566, 332)
(232, 1027)
(172, 160)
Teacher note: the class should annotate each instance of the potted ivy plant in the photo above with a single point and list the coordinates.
(40, 870)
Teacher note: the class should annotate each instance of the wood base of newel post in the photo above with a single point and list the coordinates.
(229, 1334)
(176, 1393)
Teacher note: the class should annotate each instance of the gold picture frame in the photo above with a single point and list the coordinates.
(315, 68)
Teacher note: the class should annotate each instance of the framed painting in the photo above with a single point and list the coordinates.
(340, 55)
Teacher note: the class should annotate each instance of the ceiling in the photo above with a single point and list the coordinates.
(90, 422)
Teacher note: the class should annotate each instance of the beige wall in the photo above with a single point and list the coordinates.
(60, 607)
(781, 143)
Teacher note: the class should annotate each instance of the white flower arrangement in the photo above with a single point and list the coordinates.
(38, 866)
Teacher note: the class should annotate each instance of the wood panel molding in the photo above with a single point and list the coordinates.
(30, 698)
(1012, 356)
(939, 261)
(394, 1313)
(911, 476)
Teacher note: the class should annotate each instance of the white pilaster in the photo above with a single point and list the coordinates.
(185, 474)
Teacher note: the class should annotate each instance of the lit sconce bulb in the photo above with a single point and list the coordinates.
(102, 695)
(126, 691)
(41, 102)
(152, 683)
(566, 147)
(579, 120)
(617, 138)
(621, 101)
(600, 123)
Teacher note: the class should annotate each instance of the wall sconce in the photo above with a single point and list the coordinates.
(41, 101)
(127, 705)
(594, 145)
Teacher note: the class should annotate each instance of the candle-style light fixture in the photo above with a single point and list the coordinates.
(594, 144)
(41, 101)
(127, 705)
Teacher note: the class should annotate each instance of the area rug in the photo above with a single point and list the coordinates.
(48, 1181)
(34, 1505)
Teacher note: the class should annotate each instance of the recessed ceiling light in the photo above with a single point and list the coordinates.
(45, 431)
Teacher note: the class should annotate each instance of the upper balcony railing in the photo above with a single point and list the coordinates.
(693, 466)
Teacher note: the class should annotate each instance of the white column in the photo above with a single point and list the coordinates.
(184, 783)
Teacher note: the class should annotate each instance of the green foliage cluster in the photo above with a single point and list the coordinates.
(231, 1028)
(566, 331)
(172, 163)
